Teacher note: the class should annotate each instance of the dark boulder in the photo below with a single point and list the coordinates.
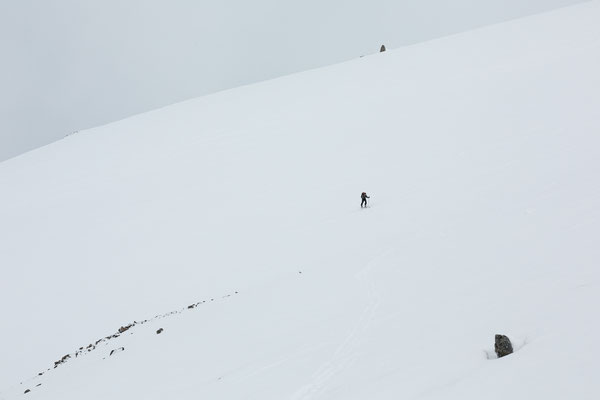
(382, 49)
(503, 346)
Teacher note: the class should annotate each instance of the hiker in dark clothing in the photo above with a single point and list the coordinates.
(364, 198)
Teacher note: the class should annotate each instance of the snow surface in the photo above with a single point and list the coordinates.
(480, 152)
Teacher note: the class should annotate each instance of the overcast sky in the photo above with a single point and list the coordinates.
(73, 64)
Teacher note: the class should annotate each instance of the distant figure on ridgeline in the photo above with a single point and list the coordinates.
(382, 49)
(364, 198)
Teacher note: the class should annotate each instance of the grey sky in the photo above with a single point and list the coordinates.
(73, 64)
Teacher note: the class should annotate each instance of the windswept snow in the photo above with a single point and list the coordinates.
(480, 152)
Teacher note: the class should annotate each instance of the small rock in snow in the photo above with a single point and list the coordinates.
(116, 350)
(503, 346)
(124, 328)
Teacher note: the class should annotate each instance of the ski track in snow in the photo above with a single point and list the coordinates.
(344, 354)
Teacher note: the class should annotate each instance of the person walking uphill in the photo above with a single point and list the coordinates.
(364, 198)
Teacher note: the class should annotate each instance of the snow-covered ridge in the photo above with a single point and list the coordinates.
(480, 153)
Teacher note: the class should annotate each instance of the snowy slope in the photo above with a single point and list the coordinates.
(481, 153)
